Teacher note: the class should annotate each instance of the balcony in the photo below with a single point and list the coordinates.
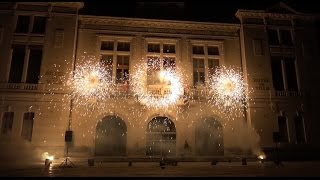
(288, 93)
(21, 87)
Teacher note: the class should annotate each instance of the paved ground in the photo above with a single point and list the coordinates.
(152, 169)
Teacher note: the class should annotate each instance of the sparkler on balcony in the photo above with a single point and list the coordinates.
(167, 94)
(228, 91)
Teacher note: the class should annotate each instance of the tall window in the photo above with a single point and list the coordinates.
(198, 71)
(106, 61)
(291, 74)
(213, 64)
(205, 62)
(34, 64)
(161, 137)
(122, 69)
(115, 56)
(27, 125)
(31, 24)
(300, 130)
(283, 129)
(284, 74)
(160, 56)
(17, 63)
(7, 122)
(153, 70)
(280, 36)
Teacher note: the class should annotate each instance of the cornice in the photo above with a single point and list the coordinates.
(262, 14)
(151, 23)
(76, 5)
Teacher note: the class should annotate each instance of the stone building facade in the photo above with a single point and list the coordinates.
(41, 42)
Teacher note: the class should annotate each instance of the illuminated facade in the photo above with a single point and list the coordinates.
(41, 42)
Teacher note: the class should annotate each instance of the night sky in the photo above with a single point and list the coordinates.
(197, 10)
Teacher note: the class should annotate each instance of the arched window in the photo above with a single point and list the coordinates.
(111, 137)
(209, 138)
(161, 137)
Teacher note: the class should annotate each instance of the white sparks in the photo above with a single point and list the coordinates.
(165, 88)
(228, 91)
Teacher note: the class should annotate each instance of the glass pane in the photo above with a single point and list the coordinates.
(107, 61)
(126, 60)
(169, 48)
(17, 63)
(169, 63)
(213, 50)
(197, 49)
(213, 64)
(119, 76)
(299, 129)
(286, 38)
(291, 74)
(195, 78)
(39, 24)
(23, 24)
(27, 126)
(283, 132)
(123, 46)
(201, 77)
(200, 63)
(154, 48)
(7, 122)
(273, 37)
(277, 77)
(35, 58)
(107, 45)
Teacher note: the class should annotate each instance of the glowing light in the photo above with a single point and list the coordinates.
(162, 94)
(228, 91)
(262, 157)
(90, 82)
(46, 155)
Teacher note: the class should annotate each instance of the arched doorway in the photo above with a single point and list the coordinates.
(111, 137)
(209, 138)
(161, 137)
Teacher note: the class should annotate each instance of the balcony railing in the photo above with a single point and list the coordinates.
(125, 90)
(21, 86)
(288, 93)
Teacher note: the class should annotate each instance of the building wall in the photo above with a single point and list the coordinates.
(70, 40)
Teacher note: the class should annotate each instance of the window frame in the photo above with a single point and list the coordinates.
(205, 44)
(31, 23)
(115, 53)
(162, 56)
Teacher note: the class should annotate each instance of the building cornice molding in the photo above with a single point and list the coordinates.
(151, 23)
(262, 14)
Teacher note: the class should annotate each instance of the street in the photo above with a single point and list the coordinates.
(152, 169)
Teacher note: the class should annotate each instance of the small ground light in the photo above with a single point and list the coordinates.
(262, 158)
(48, 161)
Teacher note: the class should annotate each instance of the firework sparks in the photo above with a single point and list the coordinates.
(228, 90)
(162, 94)
(90, 82)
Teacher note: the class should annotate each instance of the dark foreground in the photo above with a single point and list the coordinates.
(153, 169)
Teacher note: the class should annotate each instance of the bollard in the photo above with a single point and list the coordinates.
(244, 161)
(91, 162)
(214, 162)
(47, 162)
